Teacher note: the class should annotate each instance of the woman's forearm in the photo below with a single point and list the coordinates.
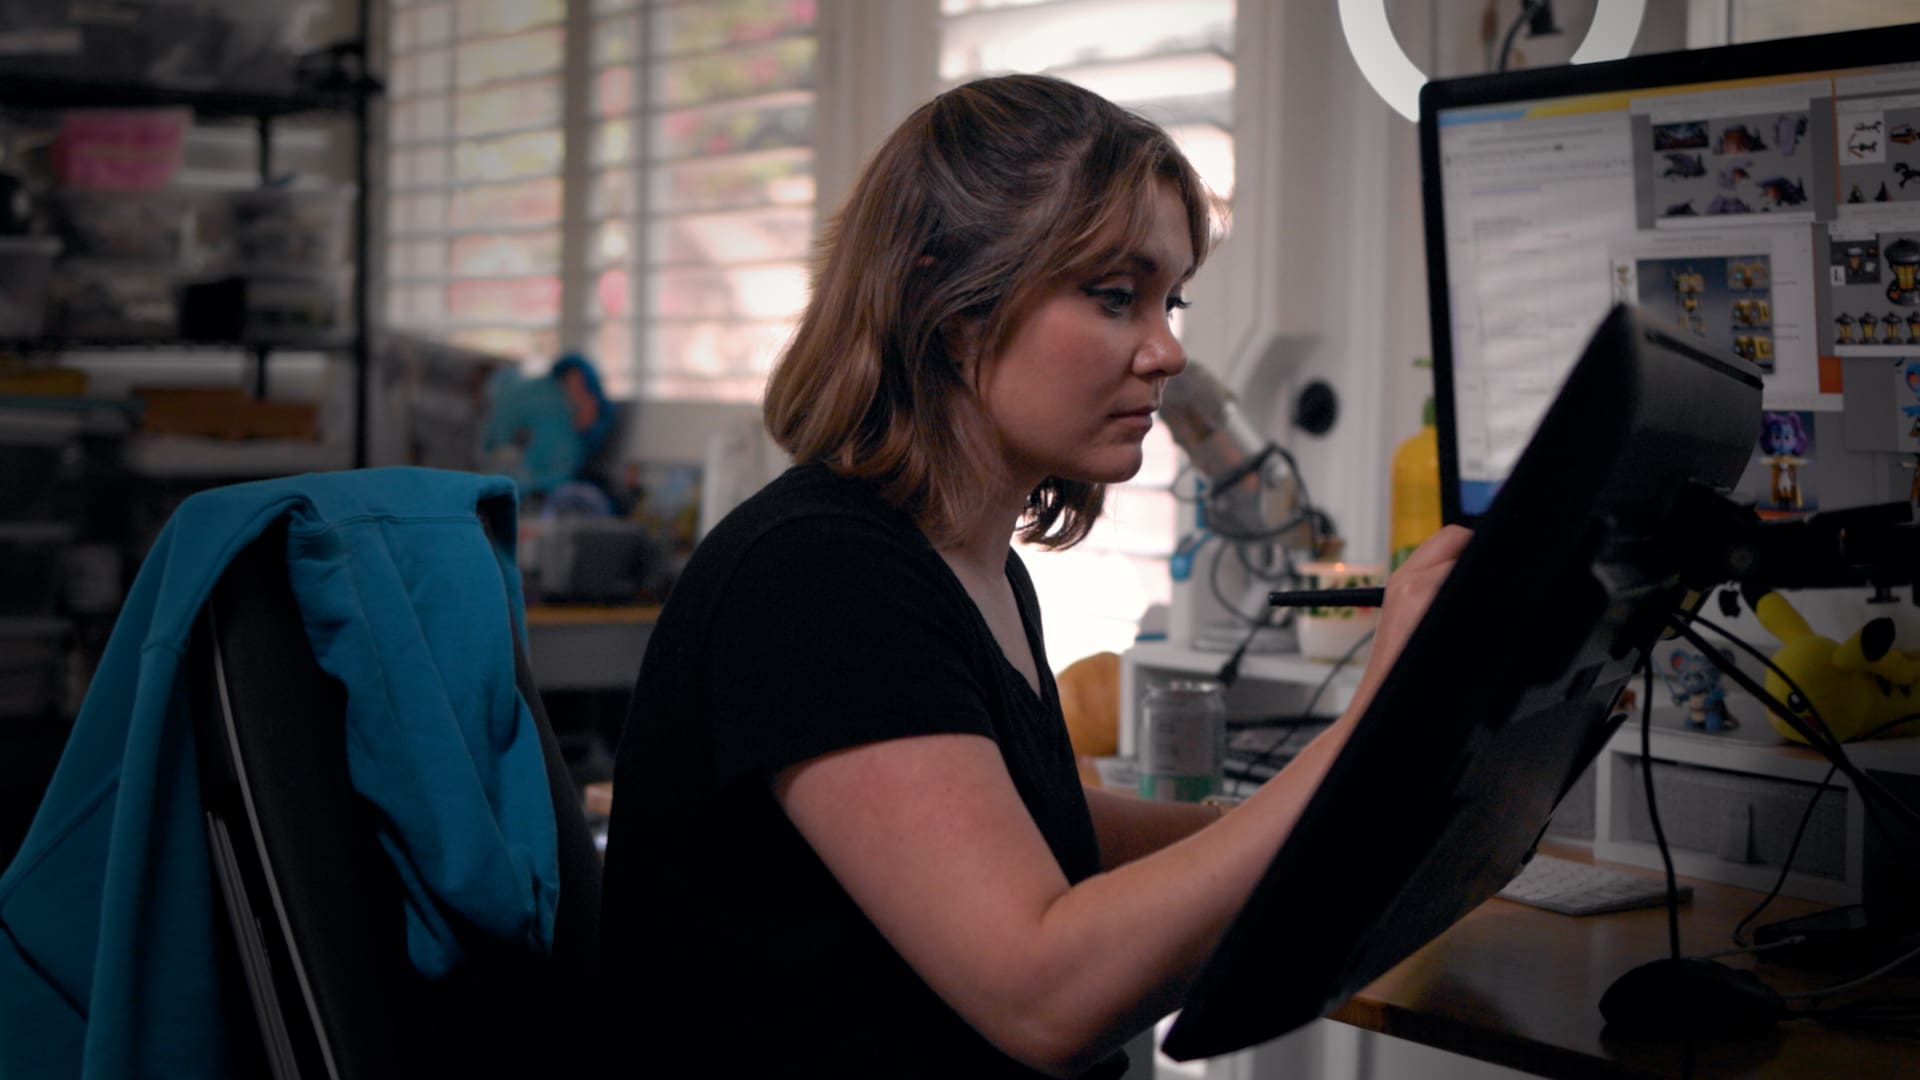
(1121, 949)
(1129, 826)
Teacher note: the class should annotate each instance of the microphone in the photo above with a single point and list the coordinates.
(1205, 421)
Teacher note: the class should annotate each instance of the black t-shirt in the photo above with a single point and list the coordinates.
(812, 619)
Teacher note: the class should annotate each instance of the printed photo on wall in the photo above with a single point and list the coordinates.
(1873, 290)
(1726, 299)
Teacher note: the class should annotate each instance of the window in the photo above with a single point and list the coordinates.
(1761, 20)
(727, 128)
(474, 172)
(648, 195)
(1172, 61)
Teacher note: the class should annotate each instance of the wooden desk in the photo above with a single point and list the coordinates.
(588, 646)
(1521, 987)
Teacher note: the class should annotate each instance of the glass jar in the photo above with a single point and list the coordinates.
(1183, 740)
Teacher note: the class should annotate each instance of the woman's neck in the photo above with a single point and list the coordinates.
(980, 546)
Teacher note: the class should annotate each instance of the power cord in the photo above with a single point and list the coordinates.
(1306, 714)
(1530, 10)
(1861, 980)
(1816, 735)
(1889, 1015)
(1653, 807)
(1786, 864)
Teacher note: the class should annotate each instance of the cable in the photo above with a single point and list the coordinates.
(1229, 672)
(1861, 980)
(1786, 864)
(1527, 8)
(1304, 514)
(1817, 734)
(1307, 509)
(1820, 739)
(1285, 572)
(1306, 714)
(1220, 595)
(1653, 809)
(1818, 724)
(1783, 943)
(1793, 688)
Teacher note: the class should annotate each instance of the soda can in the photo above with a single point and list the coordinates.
(1183, 740)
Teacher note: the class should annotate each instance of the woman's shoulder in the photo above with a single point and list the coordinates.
(810, 498)
(810, 520)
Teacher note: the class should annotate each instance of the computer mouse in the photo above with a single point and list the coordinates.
(1690, 997)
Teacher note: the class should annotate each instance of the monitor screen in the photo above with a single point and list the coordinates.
(1504, 691)
(1765, 197)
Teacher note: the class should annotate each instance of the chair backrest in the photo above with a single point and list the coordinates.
(315, 903)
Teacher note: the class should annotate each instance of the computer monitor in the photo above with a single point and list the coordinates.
(1766, 197)
(1503, 693)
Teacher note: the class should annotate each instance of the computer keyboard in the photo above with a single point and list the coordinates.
(1578, 888)
(1256, 752)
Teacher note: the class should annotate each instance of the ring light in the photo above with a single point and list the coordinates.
(1398, 79)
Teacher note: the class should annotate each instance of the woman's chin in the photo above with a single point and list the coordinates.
(1119, 470)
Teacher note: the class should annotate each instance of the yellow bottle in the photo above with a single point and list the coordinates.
(1414, 512)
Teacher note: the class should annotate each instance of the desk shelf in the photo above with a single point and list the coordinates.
(1751, 795)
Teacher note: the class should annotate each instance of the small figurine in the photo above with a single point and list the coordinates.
(1911, 373)
(1783, 444)
(1695, 682)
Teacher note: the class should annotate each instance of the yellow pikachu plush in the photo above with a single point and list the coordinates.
(1862, 688)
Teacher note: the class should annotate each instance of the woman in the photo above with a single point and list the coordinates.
(850, 838)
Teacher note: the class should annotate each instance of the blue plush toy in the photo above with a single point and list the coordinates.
(1695, 682)
(543, 430)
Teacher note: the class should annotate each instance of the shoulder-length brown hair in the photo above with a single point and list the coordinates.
(972, 209)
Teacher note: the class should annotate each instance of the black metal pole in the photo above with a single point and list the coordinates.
(263, 151)
(362, 238)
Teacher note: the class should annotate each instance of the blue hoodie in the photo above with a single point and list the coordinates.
(107, 913)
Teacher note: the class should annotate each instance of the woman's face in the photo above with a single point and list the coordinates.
(1073, 393)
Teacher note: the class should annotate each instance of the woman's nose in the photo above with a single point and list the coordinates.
(1162, 354)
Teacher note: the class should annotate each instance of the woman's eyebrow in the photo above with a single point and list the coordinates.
(1142, 263)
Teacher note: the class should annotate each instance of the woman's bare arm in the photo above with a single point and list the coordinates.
(929, 837)
(1129, 826)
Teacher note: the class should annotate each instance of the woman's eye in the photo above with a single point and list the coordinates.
(1114, 301)
(1178, 303)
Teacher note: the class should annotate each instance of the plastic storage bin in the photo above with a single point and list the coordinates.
(120, 149)
(299, 307)
(305, 227)
(184, 44)
(154, 226)
(113, 301)
(25, 264)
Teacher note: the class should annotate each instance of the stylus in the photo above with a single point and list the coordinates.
(1370, 596)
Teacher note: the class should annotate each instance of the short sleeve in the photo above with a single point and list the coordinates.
(834, 631)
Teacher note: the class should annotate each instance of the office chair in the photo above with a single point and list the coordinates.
(319, 943)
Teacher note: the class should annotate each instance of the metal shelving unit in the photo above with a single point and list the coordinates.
(346, 90)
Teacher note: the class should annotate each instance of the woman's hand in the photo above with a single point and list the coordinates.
(1410, 590)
